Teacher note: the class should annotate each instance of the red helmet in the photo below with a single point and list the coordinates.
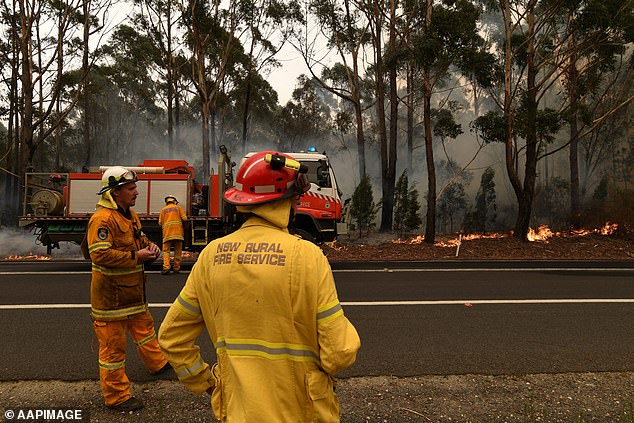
(267, 176)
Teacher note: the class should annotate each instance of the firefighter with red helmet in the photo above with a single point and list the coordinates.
(118, 248)
(269, 303)
(171, 219)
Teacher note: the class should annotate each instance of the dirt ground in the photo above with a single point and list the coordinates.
(579, 245)
(579, 397)
(574, 397)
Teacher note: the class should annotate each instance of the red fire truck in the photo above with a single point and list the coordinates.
(57, 207)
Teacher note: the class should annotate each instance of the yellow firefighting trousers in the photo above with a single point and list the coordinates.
(178, 252)
(115, 384)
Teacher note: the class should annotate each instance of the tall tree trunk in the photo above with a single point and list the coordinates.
(575, 203)
(379, 75)
(213, 114)
(13, 158)
(26, 130)
(525, 199)
(247, 97)
(410, 119)
(390, 176)
(430, 222)
(85, 102)
(245, 113)
(355, 94)
(177, 111)
(505, 8)
(170, 85)
(205, 137)
(40, 104)
(358, 113)
(58, 109)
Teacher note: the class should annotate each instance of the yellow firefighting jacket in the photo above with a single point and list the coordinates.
(117, 289)
(171, 219)
(269, 303)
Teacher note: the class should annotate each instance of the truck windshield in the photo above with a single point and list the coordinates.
(318, 173)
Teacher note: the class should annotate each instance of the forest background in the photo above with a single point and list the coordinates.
(504, 114)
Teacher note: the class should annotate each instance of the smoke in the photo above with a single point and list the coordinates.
(16, 242)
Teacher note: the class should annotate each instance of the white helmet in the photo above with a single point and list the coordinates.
(115, 177)
(171, 199)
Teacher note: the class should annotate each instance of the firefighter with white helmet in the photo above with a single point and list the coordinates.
(171, 219)
(118, 248)
(268, 300)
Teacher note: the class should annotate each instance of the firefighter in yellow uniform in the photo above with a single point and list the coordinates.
(269, 303)
(118, 248)
(171, 220)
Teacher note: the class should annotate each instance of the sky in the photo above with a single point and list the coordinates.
(284, 78)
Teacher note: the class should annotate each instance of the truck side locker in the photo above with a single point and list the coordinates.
(199, 232)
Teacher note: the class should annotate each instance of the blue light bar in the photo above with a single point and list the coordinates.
(312, 149)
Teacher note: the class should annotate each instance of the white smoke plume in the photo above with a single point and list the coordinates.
(15, 242)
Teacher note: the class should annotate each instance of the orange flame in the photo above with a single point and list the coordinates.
(29, 257)
(542, 234)
(334, 246)
(608, 229)
(416, 240)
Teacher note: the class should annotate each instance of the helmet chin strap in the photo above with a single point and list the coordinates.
(291, 216)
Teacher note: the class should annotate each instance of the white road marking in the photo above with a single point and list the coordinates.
(372, 303)
(475, 269)
(390, 270)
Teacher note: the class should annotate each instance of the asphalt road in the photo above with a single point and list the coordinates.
(413, 319)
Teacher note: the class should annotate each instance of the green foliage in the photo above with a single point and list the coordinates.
(451, 203)
(491, 127)
(306, 115)
(450, 171)
(548, 122)
(445, 125)
(363, 209)
(453, 39)
(406, 206)
(484, 214)
(601, 191)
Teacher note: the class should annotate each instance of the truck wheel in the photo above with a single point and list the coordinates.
(305, 235)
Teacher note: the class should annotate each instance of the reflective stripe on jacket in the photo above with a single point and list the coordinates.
(171, 219)
(269, 303)
(117, 288)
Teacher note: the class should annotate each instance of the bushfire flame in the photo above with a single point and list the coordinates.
(28, 257)
(542, 234)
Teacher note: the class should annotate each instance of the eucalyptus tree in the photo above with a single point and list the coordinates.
(131, 63)
(9, 69)
(346, 30)
(306, 115)
(537, 57)
(262, 109)
(593, 35)
(451, 202)
(160, 19)
(93, 17)
(447, 40)
(608, 149)
(269, 25)
(10, 66)
(381, 17)
(48, 41)
(213, 32)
